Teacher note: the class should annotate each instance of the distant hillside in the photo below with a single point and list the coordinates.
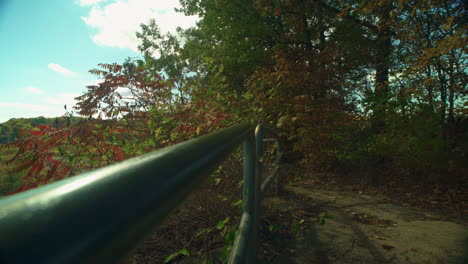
(9, 130)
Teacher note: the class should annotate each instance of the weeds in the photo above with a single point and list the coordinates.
(203, 229)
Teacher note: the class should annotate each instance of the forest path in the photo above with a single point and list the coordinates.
(365, 229)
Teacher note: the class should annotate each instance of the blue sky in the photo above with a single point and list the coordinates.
(48, 46)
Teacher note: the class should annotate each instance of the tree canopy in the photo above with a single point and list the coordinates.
(348, 85)
(372, 92)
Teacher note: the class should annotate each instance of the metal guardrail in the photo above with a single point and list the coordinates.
(246, 243)
(100, 216)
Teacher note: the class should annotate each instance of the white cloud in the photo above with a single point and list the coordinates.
(23, 105)
(118, 22)
(89, 83)
(62, 99)
(50, 106)
(17, 110)
(60, 69)
(32, 89)
(89, 2)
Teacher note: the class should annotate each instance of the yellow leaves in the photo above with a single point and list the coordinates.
(157, 132)
(281, 121)
(248, 95)
(286, 120)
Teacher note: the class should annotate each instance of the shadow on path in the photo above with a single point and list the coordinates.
(364, 229)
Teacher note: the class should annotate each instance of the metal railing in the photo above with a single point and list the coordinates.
(100, 216)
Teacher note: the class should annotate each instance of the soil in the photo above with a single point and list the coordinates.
(359, 228)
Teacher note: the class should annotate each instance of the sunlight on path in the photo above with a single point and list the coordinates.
(371, 229)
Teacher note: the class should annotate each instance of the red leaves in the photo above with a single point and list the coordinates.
(37, 133)
(135, 102)
(63, 172)
(125, 90)
(37, 154)
(118, 153)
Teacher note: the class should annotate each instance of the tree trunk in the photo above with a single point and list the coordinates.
(382, 66)
(443, 93)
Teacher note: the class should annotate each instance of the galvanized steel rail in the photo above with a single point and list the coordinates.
(100, 216)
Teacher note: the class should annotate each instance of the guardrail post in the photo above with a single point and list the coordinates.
(259, 136)
(250, 193)
(279, 153)
(246, 244)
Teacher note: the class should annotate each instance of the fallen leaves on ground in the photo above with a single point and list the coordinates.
(452, 198)
(369, 219)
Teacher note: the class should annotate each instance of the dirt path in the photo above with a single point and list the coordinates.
(368, 229)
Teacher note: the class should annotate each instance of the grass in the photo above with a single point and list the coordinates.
(202, 225)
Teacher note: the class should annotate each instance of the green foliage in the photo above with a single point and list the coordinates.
(130, 112)
(9, 182)
(348, 85)
(229, 237)
(295, 228)
(414, 147)
(221, 224)
(321, 218)
(183, 252)
(374, 83)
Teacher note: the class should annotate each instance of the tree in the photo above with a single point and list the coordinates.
(346, 83)
(164, 53)
(130, 112)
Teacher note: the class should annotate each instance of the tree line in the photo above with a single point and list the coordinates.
(16, 128)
